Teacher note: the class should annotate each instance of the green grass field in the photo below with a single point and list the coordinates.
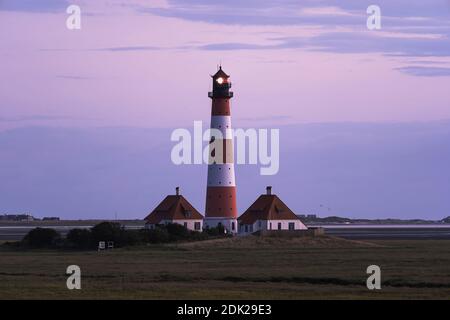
(250, 268)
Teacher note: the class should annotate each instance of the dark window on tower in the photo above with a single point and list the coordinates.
(232, 226)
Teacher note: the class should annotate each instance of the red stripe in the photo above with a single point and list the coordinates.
(221, 202)
(220, 107)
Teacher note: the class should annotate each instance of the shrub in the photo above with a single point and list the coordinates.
(131, 237)
(198, 236)
(177, 231)
(157, 235)
(80, 239)
(41, 238)
(107, 231)
(216, 231)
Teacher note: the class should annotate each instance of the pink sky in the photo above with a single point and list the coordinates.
(88, 106)
(129, 68)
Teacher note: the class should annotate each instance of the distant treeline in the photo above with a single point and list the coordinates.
(87, 239)
(340, 220)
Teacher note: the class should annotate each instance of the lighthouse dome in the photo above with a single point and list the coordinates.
(220, 74)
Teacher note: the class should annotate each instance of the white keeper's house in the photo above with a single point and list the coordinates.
(268, 212)
(175, 209)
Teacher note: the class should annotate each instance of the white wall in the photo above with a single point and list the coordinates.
(212, 222)
(272, 225)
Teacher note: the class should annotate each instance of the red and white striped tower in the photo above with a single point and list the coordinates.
(221, 185)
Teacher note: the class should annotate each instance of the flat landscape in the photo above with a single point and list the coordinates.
(239, 268)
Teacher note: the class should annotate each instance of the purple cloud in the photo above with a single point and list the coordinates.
(34, 5)
(426, 71)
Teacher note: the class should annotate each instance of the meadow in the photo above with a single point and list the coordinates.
(239, 268)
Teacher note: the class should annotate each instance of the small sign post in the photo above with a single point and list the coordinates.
(101, 245)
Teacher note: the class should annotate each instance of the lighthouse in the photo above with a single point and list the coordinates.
(220, 207)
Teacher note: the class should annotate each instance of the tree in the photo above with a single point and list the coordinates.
(131, 237)
(177, 231)
(157, 235)
(80, 238)
(41, 238)
(107, 231)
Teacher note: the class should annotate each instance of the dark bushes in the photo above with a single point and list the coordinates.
(111, 231)
(172, 232)
(41, 238)
(177, 232)
(217, 231)
(79, 239)
(107, 231)
(157, 235)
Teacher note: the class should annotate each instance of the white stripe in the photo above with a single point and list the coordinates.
(221, 175)
(222, 123)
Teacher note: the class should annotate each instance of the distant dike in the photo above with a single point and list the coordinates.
(341, 220)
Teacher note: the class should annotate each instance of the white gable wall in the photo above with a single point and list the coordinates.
(271, 225)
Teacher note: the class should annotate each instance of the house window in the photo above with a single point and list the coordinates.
(246, 228)
(291, 226)
(270, 226)
(197, 226)
(185, 225)
(232, 226)
(279, 225)
(187, 213)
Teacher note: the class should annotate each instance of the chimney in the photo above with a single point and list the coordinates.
(177, 191)
(269, 190)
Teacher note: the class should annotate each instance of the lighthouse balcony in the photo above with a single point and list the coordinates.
(220, 94)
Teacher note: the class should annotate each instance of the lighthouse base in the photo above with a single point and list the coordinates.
(229, 224)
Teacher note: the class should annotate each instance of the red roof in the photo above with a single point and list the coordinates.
(267, 207)
(174, 207)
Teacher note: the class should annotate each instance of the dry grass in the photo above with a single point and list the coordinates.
(255, 242)
(239, 268)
